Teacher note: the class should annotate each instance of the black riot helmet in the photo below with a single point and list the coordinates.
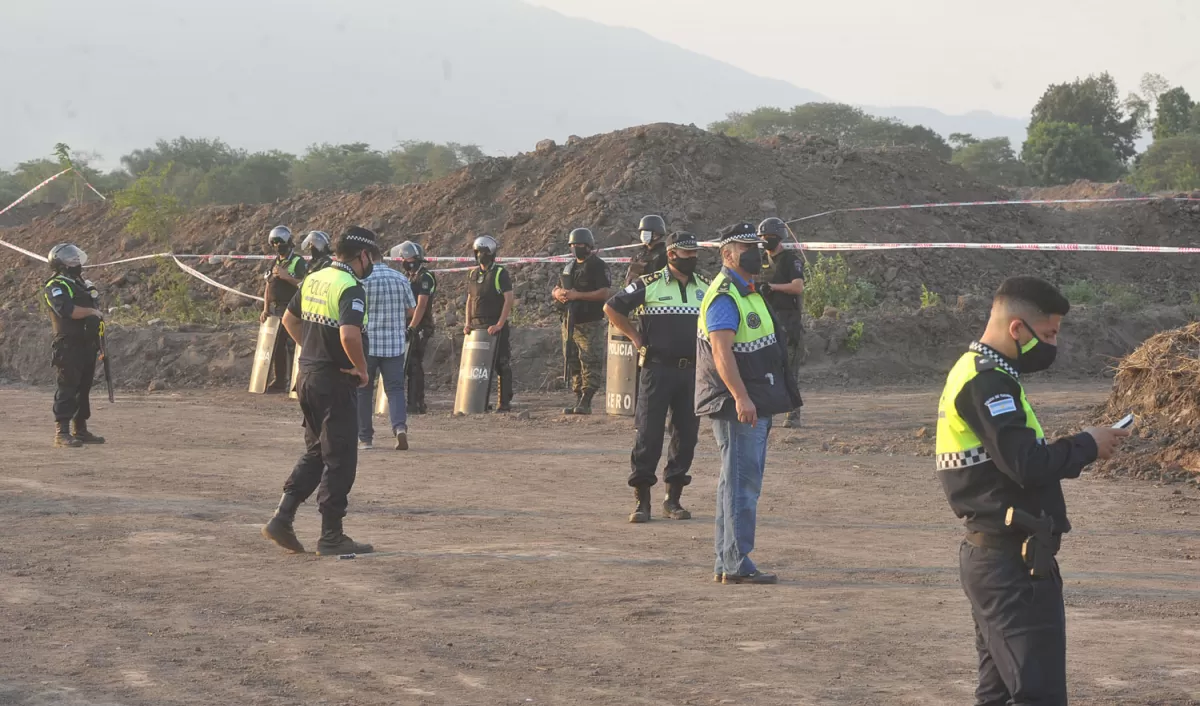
(280, 235)
(582, 236)
(652, 228)
(317, 242)
(66, 257)
(773, 227)
(408, 250)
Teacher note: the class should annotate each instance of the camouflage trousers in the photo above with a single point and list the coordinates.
(584, 352)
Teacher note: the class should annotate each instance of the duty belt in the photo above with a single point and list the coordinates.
(1004, 542)
(681, 363)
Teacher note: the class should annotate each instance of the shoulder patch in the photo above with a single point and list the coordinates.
(1001, 404)
(723, 288)
(652, 277)
(358, 305)
(56, 292)
(753, 320)
(983, 362)
(631, 288)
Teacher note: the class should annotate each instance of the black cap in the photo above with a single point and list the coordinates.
(362, 238)
(740, 233)
(682, 240)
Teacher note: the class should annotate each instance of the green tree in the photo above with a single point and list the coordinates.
(1171, 164)
(154, 210)
(349, 167)
(1059, 153)
(959, 140)
(1174, 114)
(992, 160)
(184, 152)
(1094, 103)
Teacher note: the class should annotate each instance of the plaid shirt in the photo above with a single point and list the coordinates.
(389, 295)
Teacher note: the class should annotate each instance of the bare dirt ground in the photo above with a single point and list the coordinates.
(134, 573)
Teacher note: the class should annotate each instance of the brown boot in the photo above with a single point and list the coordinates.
(63, 438)
(671, 506)
(334, 542)
(80, 431)
(279, 529)
(641, 513)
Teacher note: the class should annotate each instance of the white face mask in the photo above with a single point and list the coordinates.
(647, 236)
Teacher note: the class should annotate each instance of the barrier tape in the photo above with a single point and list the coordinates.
(29, 193)
(964, 204)
(208, 280)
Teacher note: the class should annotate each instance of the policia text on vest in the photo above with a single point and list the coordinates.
(995, 466)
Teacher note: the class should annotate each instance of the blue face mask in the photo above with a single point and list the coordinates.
(1036, 355)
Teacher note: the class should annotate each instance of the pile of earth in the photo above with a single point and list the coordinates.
(1081, 189)
(1160, 383)
(699, 181)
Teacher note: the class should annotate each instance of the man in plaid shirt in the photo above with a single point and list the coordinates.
(390, 303)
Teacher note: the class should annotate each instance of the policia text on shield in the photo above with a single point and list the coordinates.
(1005, 480)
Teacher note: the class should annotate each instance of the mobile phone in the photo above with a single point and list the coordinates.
(1125, 423)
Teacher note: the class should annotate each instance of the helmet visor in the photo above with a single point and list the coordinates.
(71, 256)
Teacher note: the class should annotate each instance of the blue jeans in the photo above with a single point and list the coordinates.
(743, 451)
(392, 370)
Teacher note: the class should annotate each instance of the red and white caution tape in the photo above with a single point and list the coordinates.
(1042, 247)
(29, 193)
(967, 204)
(209, 280)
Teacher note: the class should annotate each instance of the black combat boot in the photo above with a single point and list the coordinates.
(671, 506)
(570, 409)
(585, 402)
(80, 431)
(792, 420)
(279, 529)
(63, 438)
(334, 542)
(641, 513)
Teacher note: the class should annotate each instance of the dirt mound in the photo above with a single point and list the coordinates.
(697, 180)
(1160, 383)
(1082, 189)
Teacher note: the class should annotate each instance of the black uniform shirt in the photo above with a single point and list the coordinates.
(1022, 472)
(321, 345)
(487, 289)
(318, 263)
(667, 336)
(424, 283)
(646, 260)
(783, 269)
(63, 294)
(281, 291)
(587, 276)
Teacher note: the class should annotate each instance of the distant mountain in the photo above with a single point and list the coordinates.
(281, 74)
(979, 123)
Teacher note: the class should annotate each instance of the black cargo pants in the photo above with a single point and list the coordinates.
(416, 369)
(74, 363)
(1020, 629)
(281, 357)
(662, 388)
(329, 402)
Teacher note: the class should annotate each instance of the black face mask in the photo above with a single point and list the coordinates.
(1035, 356)
(751, 261)
(75, 272)
(368, 268)
(772, 242)
(485, 258)
(685, 265)
(581, 251)
(284, 249)
(411, 266)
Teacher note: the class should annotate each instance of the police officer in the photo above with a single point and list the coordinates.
(581, 291)
(992, 456)
(76, 321)
(319, 249)
(652, 256)
(283, 281)
(489, 303)
(782, 285)
(424, 285)
(668, 304)
(327, 317)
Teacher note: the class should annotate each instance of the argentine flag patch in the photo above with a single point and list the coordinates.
(359, 306)
(1001, 404)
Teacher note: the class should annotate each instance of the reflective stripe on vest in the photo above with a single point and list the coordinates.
(291, 261)
(756, 328)
(433, 279)
(64, 282)
(957, 446)
(321, 296)
(662, 295)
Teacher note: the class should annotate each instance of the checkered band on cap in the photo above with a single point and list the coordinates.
(962, 459)
(990, 353)
(740, 233)
(360, 239)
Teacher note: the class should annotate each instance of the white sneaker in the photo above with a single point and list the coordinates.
(401, 440)
(365, 446)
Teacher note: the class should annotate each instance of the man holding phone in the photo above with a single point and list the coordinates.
(992, 456)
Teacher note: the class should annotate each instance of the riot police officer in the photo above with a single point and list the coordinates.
(76, 321)
(652, 256)
(668, 304)
(318, 247)
(283, 281)
(581, 291)
(996, 467)
(782, 285)
(424, 286)
(489, 303)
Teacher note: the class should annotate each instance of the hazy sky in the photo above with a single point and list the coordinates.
(953, 55)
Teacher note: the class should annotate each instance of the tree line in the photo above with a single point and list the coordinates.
(199, 171)
(1082, 129)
